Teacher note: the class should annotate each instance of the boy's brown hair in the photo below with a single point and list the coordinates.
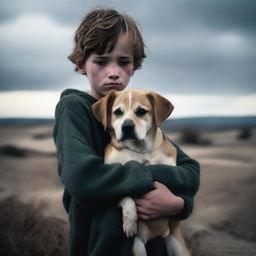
(98, 33)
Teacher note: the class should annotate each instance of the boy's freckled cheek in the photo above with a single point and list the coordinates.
(129, 71)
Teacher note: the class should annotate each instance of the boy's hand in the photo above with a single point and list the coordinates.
(160, 202)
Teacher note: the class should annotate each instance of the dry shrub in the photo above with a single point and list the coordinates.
(244, 133)
(14, 151)
(42, 136)
(191, 135)
(10, 150)
(24, 231)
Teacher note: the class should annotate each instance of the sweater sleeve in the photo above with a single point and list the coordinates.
(84, 174)
(183, 179)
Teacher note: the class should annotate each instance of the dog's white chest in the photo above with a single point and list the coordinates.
(154, 157)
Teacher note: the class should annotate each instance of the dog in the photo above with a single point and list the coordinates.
(133, 118)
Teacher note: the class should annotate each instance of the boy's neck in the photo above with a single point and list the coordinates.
(95, 95)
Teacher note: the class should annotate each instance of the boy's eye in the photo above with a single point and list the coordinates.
(118, 112)
(124, 63)
(141, 112)
(100, 62)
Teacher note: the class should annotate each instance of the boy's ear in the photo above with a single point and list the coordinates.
(81, 69)
(102, 109)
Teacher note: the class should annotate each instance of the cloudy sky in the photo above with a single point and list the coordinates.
(200, 54)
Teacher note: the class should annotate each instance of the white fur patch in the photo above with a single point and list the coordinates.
(130, 100)
(130, 216)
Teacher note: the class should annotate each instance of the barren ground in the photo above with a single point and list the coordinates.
(223, 221)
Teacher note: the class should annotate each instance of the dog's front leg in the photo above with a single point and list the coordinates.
(130, 216)
(139, 248)
(173, 246)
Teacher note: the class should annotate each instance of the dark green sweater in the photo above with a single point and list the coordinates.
(93, 189)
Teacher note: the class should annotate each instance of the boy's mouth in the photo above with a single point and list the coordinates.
(113, 85)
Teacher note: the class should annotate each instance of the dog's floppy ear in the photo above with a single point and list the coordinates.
(102, 109)
(162, 107)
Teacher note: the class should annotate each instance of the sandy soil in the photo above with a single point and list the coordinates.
(223, 221)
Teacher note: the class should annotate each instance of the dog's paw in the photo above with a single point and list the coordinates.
(130, 216)
(130, 225)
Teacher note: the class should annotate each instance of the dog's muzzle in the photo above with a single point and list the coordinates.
(128, 130)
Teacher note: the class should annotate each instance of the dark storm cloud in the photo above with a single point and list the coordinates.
(213, 63)
(226, 14)
(195, 46)
(65, 11)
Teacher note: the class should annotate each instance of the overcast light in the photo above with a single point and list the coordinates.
(202, 53)
(42, 104)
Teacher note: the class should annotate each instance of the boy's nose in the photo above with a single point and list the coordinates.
(113, 76)
(113, 72)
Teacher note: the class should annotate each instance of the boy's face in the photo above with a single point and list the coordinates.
(110, 71)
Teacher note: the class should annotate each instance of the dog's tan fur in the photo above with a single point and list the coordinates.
(150, 146)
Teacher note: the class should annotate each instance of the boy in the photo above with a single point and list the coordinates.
(108, 50)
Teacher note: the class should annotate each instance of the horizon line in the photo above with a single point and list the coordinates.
(183, 117)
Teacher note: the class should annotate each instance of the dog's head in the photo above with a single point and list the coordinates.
(132, 113)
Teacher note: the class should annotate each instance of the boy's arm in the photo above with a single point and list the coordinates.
(83, 173)
(182, 180)
(194, 178)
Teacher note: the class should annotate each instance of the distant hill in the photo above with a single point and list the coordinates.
(26, 121)
(210, 123)
(177, 124)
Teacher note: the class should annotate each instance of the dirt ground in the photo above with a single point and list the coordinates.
(223, 221)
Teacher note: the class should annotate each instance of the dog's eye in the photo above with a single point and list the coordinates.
(141, 112)
(118, 112)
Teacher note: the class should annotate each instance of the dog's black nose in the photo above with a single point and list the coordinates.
(128, 126)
